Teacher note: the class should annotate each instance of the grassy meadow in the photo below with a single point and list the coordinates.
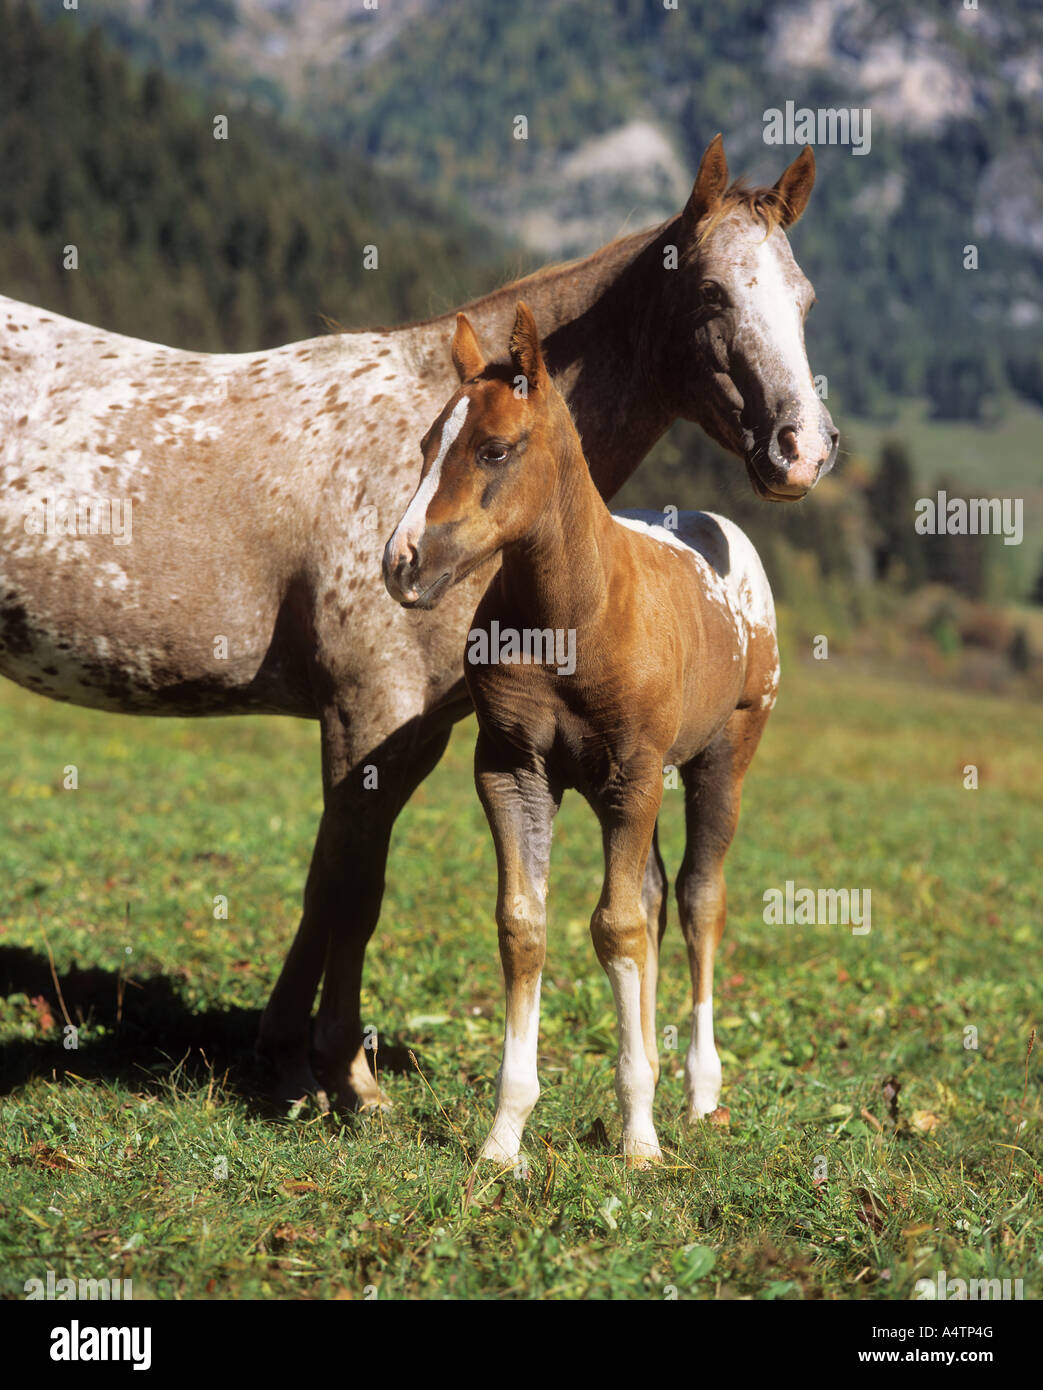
(995, 459)
(875, 1082)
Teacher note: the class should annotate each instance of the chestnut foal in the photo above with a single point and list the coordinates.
(665, 654)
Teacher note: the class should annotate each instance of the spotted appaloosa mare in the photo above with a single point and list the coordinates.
(673, 661)
(264, 485)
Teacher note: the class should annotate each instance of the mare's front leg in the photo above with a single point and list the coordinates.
(625, 946)
(366, 782)
(520, 805)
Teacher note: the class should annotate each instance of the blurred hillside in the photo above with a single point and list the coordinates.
(190, 240)
(621, 97)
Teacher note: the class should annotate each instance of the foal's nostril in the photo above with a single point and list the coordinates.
(406, 567)
(788, 446)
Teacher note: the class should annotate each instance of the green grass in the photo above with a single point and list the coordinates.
(969, 453)
(997, 460)
(111, 1167)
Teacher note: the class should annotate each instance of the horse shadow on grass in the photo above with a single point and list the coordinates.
(138, 1033)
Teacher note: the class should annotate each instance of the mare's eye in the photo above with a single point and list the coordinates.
(495, 451)
(711, 293)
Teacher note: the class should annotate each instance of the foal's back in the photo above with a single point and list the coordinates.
(731, 580)
(682, 637)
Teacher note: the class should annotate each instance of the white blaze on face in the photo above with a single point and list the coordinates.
(773, 305)
(770, 311)
(410, 529)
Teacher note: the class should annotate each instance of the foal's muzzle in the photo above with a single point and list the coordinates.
(403, 578)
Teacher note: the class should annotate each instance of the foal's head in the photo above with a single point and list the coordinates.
(738, 322)
(490, 466)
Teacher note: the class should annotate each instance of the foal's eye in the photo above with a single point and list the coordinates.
(493, 452)
(711, 292)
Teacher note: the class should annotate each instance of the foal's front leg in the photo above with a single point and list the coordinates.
(620, 932)
(520, 806)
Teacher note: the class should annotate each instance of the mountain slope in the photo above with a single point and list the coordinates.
(620, 98)
(184, 238)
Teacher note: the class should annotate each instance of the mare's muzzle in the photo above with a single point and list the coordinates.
(787, 464)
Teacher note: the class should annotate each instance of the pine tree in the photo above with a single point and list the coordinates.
(891, 498)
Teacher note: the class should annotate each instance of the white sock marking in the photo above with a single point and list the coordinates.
(518, 1087)
(702, 1066)
(635, 1081)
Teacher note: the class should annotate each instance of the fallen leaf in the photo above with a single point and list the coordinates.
(43, 1013)
(868, 1212)
(925, 1121)
(54, 1159)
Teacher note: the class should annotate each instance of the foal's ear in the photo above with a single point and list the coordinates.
(468, 358)
(526, 357)
(710, 183)
(795, 185)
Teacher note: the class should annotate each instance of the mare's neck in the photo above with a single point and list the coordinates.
(597, 326)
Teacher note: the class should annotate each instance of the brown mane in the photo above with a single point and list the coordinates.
(767, 205)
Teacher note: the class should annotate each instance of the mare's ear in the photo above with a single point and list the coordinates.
(708, 189)
(526, 356)
(468, 358)
(794, 187)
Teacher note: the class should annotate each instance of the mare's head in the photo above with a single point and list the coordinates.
(490, 466)
(735, 350)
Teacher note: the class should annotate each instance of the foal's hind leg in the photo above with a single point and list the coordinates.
(653, 900)
(623, 942)
(713, 791)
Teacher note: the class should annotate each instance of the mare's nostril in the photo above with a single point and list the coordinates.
(787, 438)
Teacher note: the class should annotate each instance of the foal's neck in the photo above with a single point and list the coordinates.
(558, 574)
